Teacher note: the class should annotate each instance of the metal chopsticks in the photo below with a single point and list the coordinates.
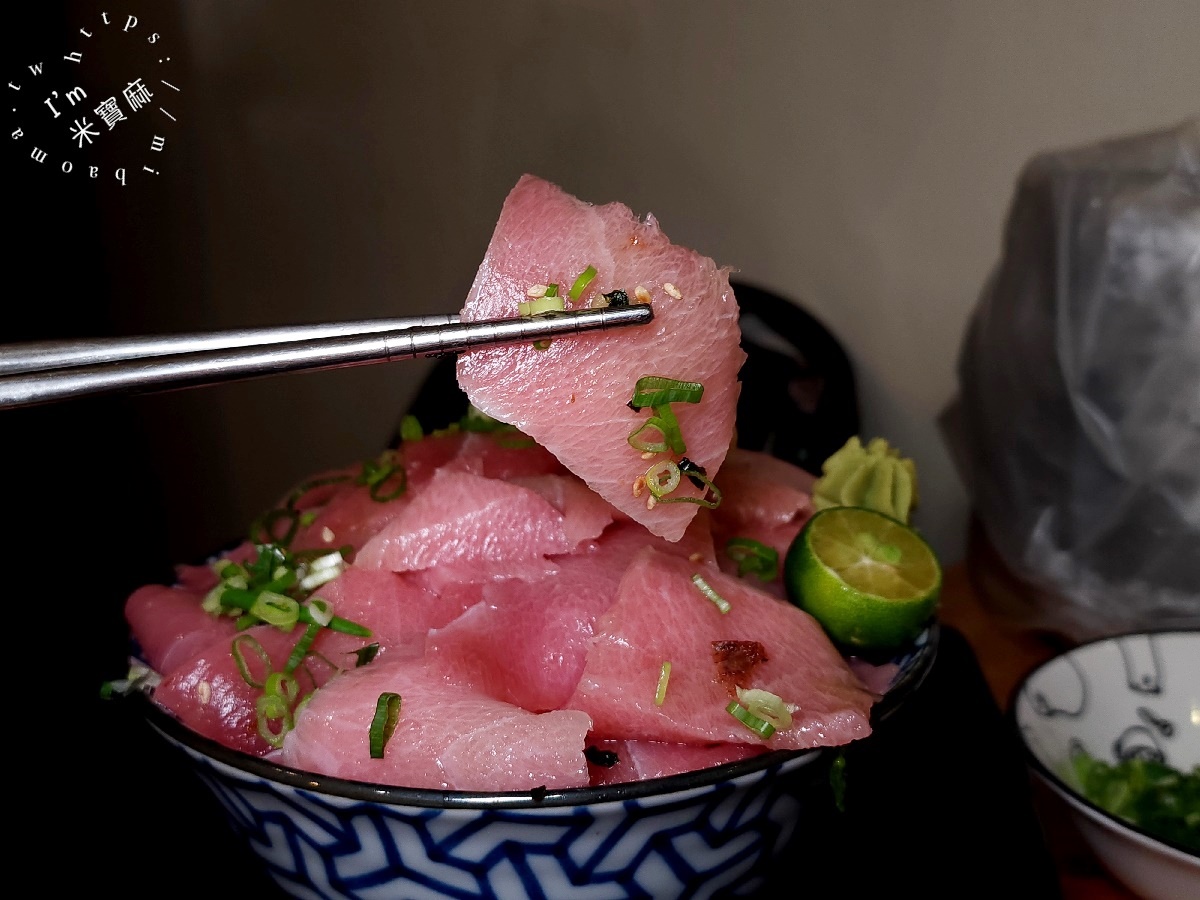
(39, 373)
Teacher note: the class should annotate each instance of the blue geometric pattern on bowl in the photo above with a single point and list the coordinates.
(699, 834)
(698, 842)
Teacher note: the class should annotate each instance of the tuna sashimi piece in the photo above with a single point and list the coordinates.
(504, 455)
(571, 397)
(201, 579)
(639, 760)
(764, 489)
(547, 623)
(621, 541)
(766, 499)
(448, 737)
(460, 518)
(660, 615)
(209, 695)
(585, 513)
(398, 611)
(777, 537)
(526, 642)
(346, 513)
(169, 626)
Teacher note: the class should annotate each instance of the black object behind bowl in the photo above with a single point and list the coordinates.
(798, 400)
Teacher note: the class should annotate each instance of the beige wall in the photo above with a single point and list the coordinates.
(348, 160)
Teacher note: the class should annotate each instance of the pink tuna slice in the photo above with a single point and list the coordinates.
(465, 520)
(447, 737)
(548, 623)
(639, 760)
(585, 513)
(208, 694)
(660, 615)
(762, 489)
(571, 397)
(397, 610)
(546, 627)
(170, 626)
(346, 513)
(766, 499)
(504, 455)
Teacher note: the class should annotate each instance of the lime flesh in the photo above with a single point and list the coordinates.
(870, 580)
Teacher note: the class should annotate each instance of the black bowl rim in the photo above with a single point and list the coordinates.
(1051, 777)
(904, 686)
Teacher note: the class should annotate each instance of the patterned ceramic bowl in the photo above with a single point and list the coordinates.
(701, 834)
(1134, 696)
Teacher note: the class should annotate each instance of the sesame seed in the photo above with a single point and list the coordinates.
(203, 692)
(638, 484)
(672, 290)
(650, 501)
(696, 557)
(648, 455)
(327, 534)
(538, 290)
(643, 295)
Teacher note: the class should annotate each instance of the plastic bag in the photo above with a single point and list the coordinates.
(1076, 426)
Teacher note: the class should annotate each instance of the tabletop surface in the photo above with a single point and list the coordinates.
(1005, 651)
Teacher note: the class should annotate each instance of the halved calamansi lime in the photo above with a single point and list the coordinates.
(870, 580)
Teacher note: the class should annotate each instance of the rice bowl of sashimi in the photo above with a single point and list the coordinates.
(545, 649)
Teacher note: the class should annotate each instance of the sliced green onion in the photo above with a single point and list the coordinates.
(766, 706)
(321, 611)
(387, 714)
(376, 473)
(298, 494)
(763, 729)
(245, 600)
(410, 429)
(551, 290)
(275, 705)
(703, 499)
(276, 609)
(548, 303)
(753, 558)
(269, 525)
(837, 781)
(655, 390)
(300, 651)
(637, 442)
(581, 283)
(706, 589)
(244, 642)
(212, 600)
(664, 675)
(320, 577)
(542, 345)
(669, 425)
(662, 477)
(139, 678)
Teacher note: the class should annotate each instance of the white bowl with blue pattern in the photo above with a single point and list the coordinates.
(1131, 696)
(710, 833)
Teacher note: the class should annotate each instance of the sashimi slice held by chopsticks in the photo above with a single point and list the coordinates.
(574, 396)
